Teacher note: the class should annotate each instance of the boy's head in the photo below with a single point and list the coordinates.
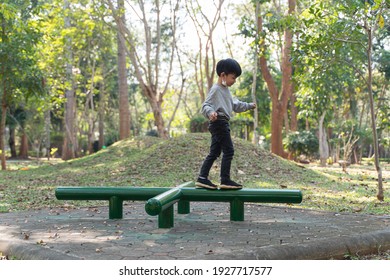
(228, 66)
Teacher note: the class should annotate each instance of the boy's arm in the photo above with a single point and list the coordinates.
(240, 106)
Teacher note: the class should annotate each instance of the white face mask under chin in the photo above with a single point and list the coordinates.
(224, 83)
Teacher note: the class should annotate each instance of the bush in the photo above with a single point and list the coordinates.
(301, 143)
(199, 123)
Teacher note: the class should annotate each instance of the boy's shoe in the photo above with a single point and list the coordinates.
(230, 185)
(206, 184)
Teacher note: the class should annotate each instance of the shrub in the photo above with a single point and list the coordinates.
(199, 123)
(301, 143)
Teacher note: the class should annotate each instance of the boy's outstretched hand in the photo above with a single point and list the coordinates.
(253, 105)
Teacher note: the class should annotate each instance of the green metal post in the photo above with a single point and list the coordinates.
(166, 218)
(236, 210)
(115, 208)
(183, 207)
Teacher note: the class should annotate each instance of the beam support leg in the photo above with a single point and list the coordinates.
(183, 207)
(166, 218)
(236, 210)
(115, 208)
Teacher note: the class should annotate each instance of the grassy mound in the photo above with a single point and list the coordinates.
(149, 161)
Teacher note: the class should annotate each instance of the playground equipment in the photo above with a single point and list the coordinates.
(160, 201)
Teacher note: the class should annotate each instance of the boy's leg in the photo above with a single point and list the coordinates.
(228, 153)
(215, 152)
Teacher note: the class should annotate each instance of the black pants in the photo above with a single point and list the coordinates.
(221, 141)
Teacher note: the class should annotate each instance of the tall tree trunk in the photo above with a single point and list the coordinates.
(294, 113)
(323, 142)
(279, 101)
(255, 139)
(90, 109)
(11, 141)
(148, 74)
(124, 111)
(4, 104)
(47, 133)
(23, 150)
(380, 194)
(70, 145)
(102, 102)
(2, 125)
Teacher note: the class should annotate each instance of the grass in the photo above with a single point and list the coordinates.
(149, 161)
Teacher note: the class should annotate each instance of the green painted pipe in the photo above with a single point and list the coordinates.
(189, 194)
(246, 195)
(105, 193)
(159, 203)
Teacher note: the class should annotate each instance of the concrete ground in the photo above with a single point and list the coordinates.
(206, 233)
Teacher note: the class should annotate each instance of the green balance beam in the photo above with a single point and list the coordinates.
(162, 204)
(114, 195)
(160, 201)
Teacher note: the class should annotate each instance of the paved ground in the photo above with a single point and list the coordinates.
(205, 233)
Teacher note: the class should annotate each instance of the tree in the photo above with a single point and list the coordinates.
(70, 141)
(370, 24)
(124, 112)
(19, 73)
(204, 61)
(347, 37)
(279, 97)
(152, 54)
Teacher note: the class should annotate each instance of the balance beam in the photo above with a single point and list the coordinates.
(160, 201)
(162, 204)
(114, 195)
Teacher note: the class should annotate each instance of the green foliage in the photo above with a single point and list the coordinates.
(198, 123)
(20, 76)
(301, 143)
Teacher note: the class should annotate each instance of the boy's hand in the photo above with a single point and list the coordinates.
(253, 105)
(213, 116)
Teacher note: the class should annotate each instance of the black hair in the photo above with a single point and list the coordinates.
(228, 66)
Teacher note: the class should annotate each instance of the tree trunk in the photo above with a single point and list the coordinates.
(277, 129)
(102, 102)
(90, 110)
(279, 103)
(124, 111)
(69, 147)
(148, 74)
(2, 126)
(11, 141)
(47, 134)
(323, 142)
(23, 151)
(255, 139)
(380, 194)
(4, 104)
(294, 113)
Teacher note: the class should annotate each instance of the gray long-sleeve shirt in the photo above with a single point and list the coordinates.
(220, 100)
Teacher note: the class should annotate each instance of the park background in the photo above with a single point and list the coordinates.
(80, 77)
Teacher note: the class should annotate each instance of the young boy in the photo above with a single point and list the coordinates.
(218, 108)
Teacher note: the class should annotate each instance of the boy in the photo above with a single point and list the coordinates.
(218, 108)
